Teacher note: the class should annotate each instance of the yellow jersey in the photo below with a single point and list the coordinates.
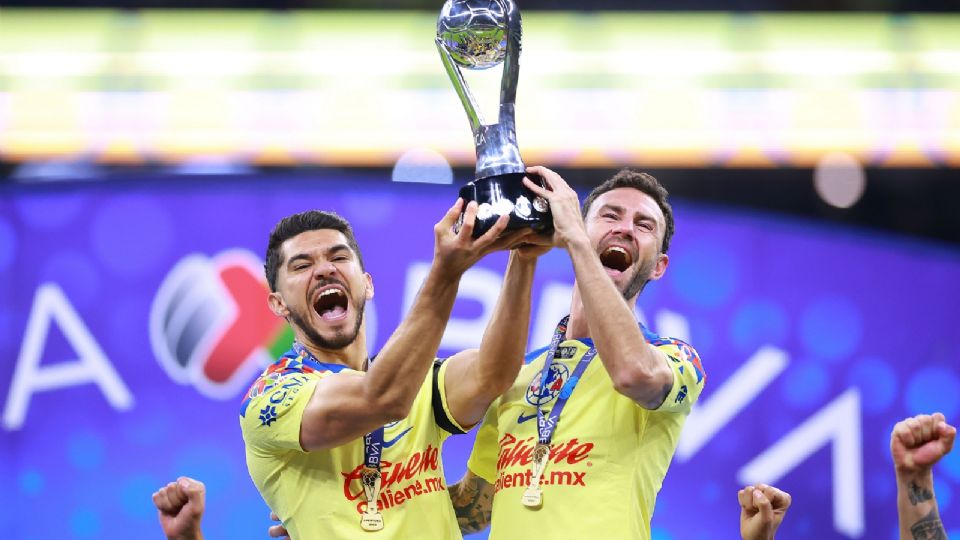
(608, 454)
(318, 495)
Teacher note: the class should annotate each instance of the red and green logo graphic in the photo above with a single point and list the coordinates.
(210, 325)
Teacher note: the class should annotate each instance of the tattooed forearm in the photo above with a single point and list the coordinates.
(918, 494)
(929, 528)
(472, 500)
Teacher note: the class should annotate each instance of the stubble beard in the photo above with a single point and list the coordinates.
(340, 340)
(639, 280)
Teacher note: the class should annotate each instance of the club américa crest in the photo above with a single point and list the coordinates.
(556, 378)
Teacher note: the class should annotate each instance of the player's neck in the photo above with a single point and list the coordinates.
(354, 355)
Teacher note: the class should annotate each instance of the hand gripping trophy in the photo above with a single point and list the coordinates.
(479, 34)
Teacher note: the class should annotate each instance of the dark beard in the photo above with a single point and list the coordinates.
(339, 341)
(638, 281)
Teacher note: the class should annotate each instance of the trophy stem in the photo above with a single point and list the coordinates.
(460, 86)
(511, 62)
(497, 150)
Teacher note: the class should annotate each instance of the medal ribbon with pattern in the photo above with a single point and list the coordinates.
(547, 424)
(370, 477)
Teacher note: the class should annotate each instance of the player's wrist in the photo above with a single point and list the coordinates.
(922, 476)
(522, 260)
(194, 534)
(578, 241)
(443, 274)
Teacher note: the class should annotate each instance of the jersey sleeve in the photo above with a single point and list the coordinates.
(688, 375)
(270, 415)
(441, 410)
(486, 447)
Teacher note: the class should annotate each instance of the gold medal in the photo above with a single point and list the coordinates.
(533, 495)
(371, 522)
(372, 519)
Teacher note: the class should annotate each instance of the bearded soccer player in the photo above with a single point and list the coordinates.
(578, 447)
(339, 445)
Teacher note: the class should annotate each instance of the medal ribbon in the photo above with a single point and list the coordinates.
(372, 442)
(547, 425)
(373, 448)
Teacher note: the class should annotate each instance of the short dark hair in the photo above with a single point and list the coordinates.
(628, 178)
(290, 226)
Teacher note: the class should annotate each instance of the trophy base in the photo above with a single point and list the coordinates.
(506, 194)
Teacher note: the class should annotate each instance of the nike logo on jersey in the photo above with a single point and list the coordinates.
(521, 419)
(393, 441)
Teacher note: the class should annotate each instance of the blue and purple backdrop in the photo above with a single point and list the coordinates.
(132, 317)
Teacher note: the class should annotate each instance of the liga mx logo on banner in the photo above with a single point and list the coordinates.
(210, 325)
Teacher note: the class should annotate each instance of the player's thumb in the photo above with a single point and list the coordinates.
(763, 505)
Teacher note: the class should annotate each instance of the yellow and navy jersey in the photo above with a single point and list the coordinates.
(319, 494)
(608, 455)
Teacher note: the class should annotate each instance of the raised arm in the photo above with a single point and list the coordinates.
(474, 378)
(638, 370)
(916, 445)
(344, 408)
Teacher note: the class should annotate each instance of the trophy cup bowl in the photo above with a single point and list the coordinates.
(474, 32)
(480, 34)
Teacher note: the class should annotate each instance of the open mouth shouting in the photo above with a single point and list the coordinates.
(331, 303)
(616, 258)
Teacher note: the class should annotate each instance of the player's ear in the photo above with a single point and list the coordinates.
(277, 305)
(369, 291)
(661, 267)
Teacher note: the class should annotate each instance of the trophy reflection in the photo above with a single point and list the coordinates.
(480, 34)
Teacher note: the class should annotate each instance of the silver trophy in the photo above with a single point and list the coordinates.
(480, 34)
